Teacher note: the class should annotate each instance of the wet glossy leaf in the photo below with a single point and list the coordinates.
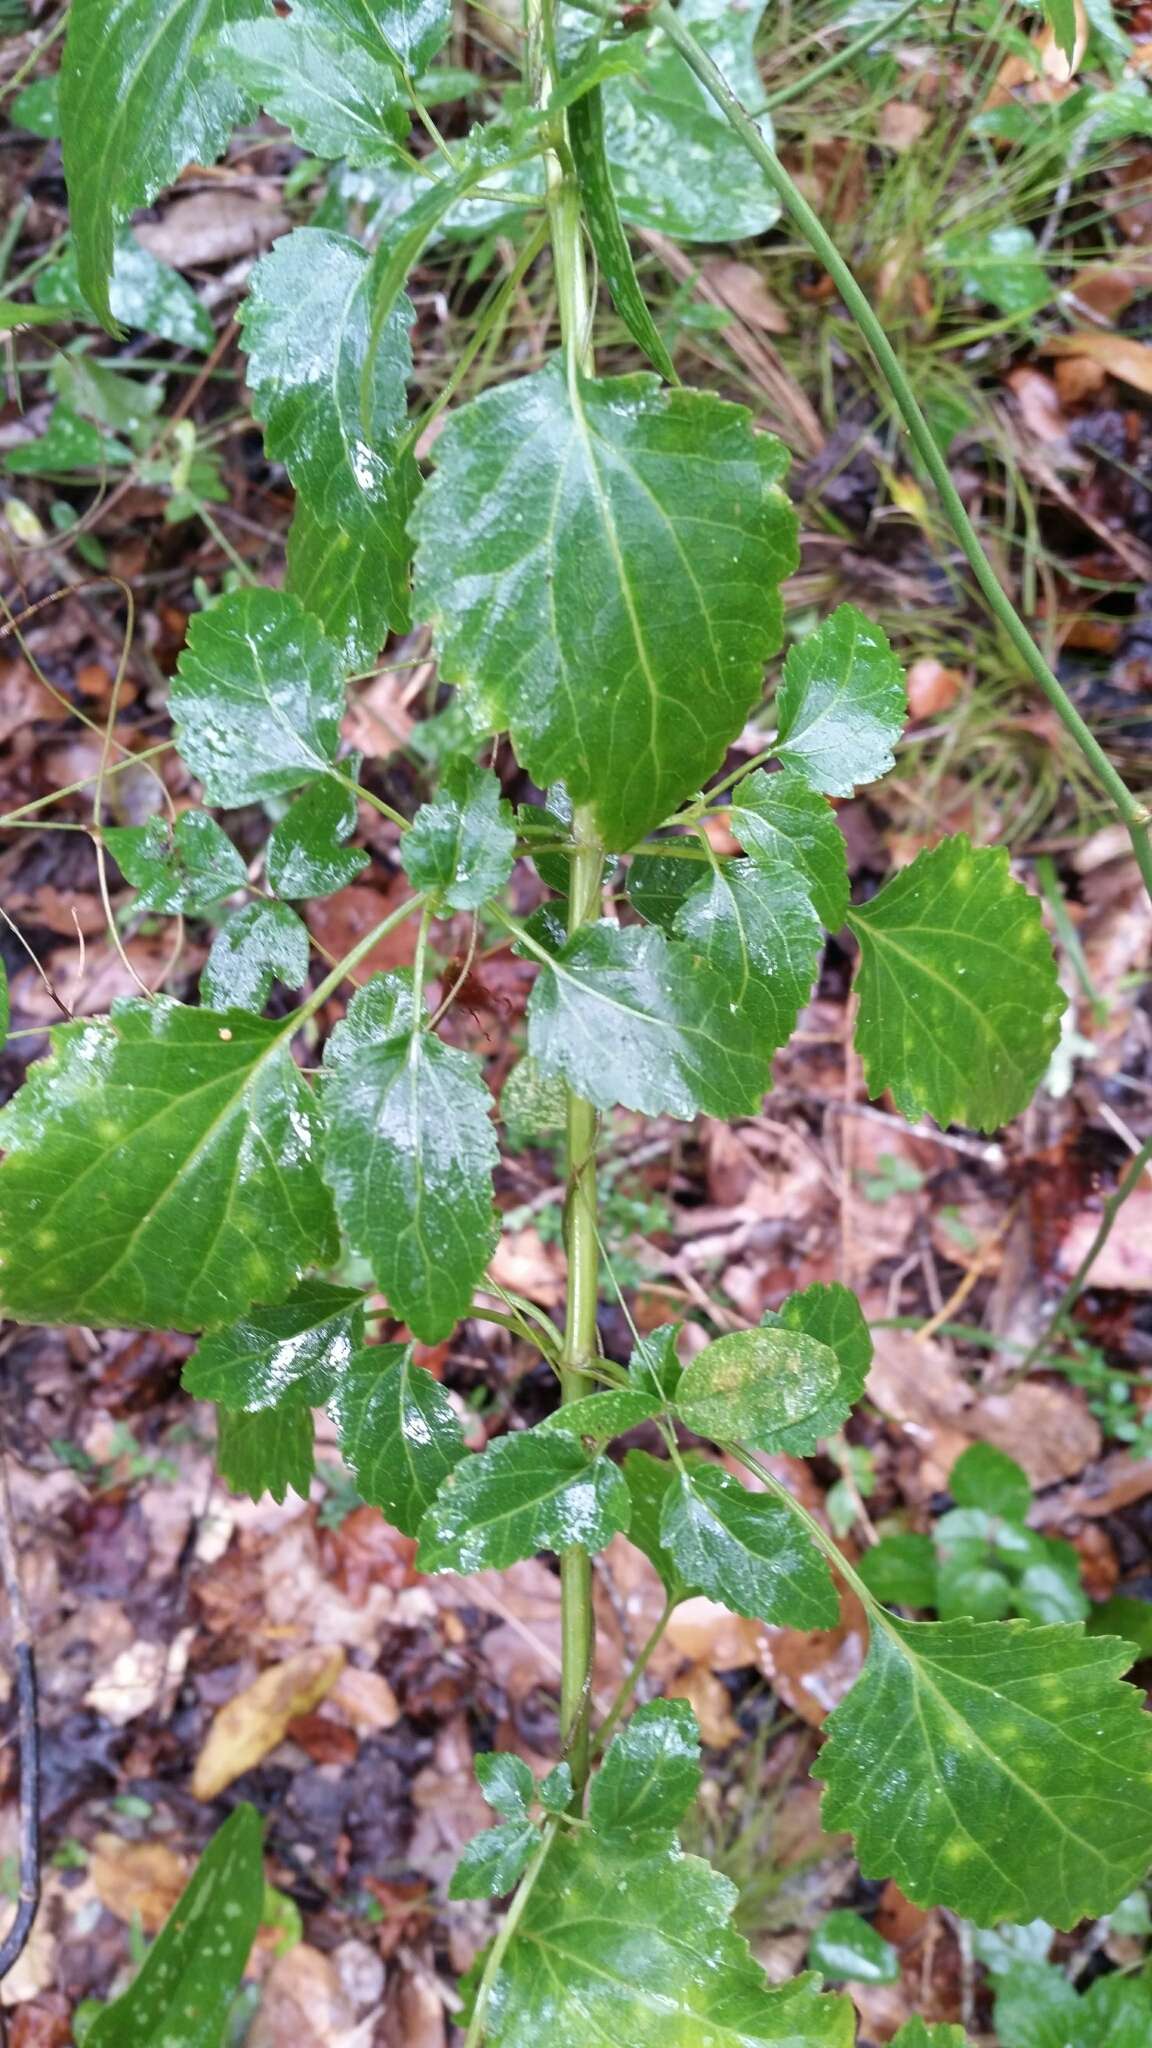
(654, 1366)
(338, 99)
(460, 847)
(306, 854)
(257, 697)
(398, 1432)
(161, 1172)
(263, 943)
(555, 1789)
(613, 255)
(754, 924)
(918, 2033)
(602, 566)
(847, 1946)
(995, 1767)
(186, 866)
(780, 818)
(627, 1017)
(754, 1383)
(901, 1569)
(649, 1481)
(658, 884)
(746, 1550)
(1003, 266)
(651, 1772)
(537, 1490)
(506, 1782)
(984, 1477)
(68, 442)
(1037, 2007)
(493, 1860)
(266, 1450)
(676, 164)
(408, 31)
(384, 1008)
(628, 1940)
(841, 704)
(141, 95)
(607, 1415)
(307, 321)
(832, 1315)
(291, 1354)
(192, 1971)
(409, 1157)
(531, 1104)
(142, 292)
(959, 1002)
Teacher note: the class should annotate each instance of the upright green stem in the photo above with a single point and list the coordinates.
(1134, 814)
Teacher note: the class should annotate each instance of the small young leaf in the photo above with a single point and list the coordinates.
(901, 1570)
(626, 1016)
(780, 818)
(598, 199)
(984, 1477)
(260, 944)
(398, 1432)
(651, 1773)
(187, 866)
(141, 95)
(555, 1789)
(646, 535)
(385, 1008)
(156, 1127)
(658, 884)
(68, 442)
(754, 1383)
(532, 1105)
(832, 1315)
(649, 1481)
(408, 32)
(841, 704)
(1037, 2007)
(257, 697)
(506, 1782)
(996, 1768)
(960, 1006)
(409, 1157)
(266, 1451)
(295, 1353)
(604, 1416)
(845, 1946)
(460, 847)
(142, 292)
(193, 1969)
(654, 1366)
(754, 924)
(493, 1860)
(537, 1490)
(746, 1550)
(336, 97)
(306, 855)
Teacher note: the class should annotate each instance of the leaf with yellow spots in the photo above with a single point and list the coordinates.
(161, 1173)
(998, 1768)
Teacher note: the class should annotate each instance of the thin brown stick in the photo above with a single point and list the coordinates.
(24, 1659)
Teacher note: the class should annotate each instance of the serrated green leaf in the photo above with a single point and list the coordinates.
(141, 95)
(960, 1005)
(493, 1860)
(408, 31)
(841, 704)
(1004, 266)
(658, 884)
(460, 847)
(746, 1550)
(338, 99)
(307, 323)
(161, 1172)
(628, 1941)
(779, 817)
(257, 697)
(192, 1971)
(398, 1432)
(506, 1782)
(384, 1008)
(1115, 2012)
(651, 1772)
(186, 866)
(531, 1104)
(1037, 2007)
(266, 1450)
(604, 1416)
(984, 1477)
(537, 1490)
(901, 1570)
(598, 199)
(555, 1789)
(294, 1353)
(306, 855)
(754, 1383)
(649, 1481)
(409, 1157)
(142, 292)
(627, 1016)
(754, 924)
(831, 1314)
(260, 944)
(996, 1768)
(845, 1946)
(644, 536)
(654, 1366)
(676, 164)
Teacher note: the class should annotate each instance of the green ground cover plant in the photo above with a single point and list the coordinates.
(599, 558)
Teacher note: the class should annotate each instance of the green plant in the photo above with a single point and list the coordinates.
(600, 560)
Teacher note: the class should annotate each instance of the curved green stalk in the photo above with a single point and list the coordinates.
(1134, 814)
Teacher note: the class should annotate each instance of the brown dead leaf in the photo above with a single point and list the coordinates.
(1126, 1260)
(377, 721)
(366, 1698)
(524, 1264)
(134, 1681)
(813, 1669)
(414, 2015)
(23, 699)
(339, 922)
(303, 2001)
(1120, 354)
(1046, 1427)
(1115, 1482)
(741, 287)
(708, 1634)
(104, 977)
(42, 2023)
(1038, 402)
(212, 227)
(1108, 289)
(901, 124)
(137, 1880)
(257, 1719)
(932, 688)
(882, 2009)
(710, 1701)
